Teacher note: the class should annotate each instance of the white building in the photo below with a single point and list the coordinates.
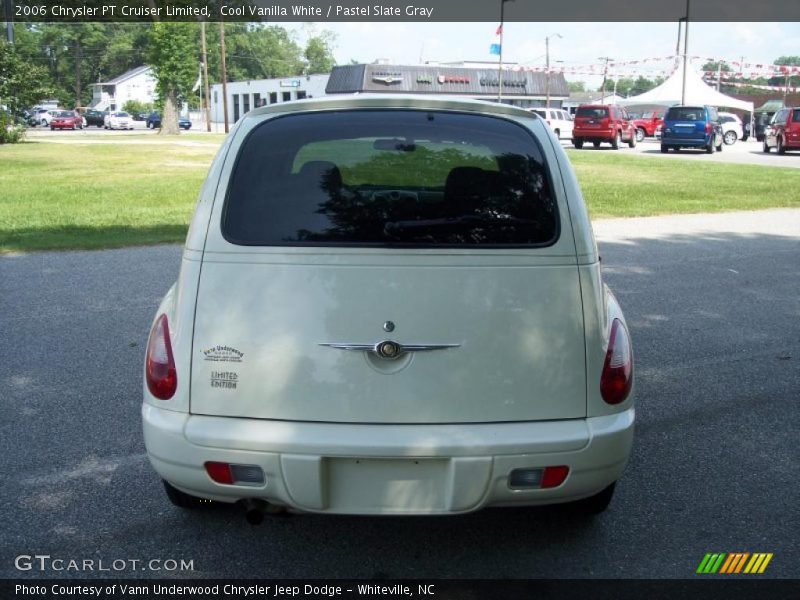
(246, 95)
(137, 84)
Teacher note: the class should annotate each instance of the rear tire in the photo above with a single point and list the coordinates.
(780, 148)
(765, 148)
(578, 143)
(710, 148)
(640, 133)
(596, 144)
(632, 141)
(664, 148)
(181, 499)
(730, 138)
(594, 505)
(615, 141)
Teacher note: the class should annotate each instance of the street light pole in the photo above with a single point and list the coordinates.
(685, 54)
(500, 54)
(605, 74)
(547, 68)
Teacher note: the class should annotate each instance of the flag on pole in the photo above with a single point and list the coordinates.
(495, 48)
(199, 79)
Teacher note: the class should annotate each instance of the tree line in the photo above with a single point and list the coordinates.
(63, 60)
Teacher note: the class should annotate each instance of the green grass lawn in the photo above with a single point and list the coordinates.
(142, 190)
(58, 196)
(616, 185)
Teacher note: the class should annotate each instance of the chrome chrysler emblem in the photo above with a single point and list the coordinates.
(388, 349)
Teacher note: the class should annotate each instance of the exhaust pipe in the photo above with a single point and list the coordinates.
(255, 509)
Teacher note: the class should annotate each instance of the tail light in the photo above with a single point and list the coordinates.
(233, 474)
(617, 376)
(708, 127)
(160, 373)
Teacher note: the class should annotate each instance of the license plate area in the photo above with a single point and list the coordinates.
(397, 485)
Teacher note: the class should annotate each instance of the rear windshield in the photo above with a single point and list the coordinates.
(796, 116)
(686, 113)
(377, 177)
(599, 112)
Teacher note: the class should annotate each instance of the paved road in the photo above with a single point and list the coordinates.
(714, 308)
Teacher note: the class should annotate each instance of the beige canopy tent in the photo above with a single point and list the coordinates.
(697, 92)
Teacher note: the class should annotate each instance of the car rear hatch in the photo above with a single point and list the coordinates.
(438, 233)
(591, 118)
(685, 123)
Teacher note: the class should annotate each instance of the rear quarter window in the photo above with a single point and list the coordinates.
(390, 178)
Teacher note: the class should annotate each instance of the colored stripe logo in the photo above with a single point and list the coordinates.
(734, 562)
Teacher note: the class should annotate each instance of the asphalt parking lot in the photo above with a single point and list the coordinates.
(714, 311)
(745, 153)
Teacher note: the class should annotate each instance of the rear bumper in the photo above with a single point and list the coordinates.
(678, 141)
(604, 135)
(387, 469)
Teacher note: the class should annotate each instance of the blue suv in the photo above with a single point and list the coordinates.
(692, 127)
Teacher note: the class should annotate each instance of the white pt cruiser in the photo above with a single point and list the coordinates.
(389, 305)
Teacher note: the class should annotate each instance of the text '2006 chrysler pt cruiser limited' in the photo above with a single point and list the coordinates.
(389, 305)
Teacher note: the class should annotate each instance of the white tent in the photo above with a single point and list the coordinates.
(697, 92)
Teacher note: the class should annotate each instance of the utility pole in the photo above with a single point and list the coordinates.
(605, 74)
(500, 59)
(719, 73)
(207, 103)
(547, 63)
(678, 44)
(685, 54)
(224, 73)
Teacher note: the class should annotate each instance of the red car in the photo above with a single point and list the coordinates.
(66, 119)
(598, 123)
(783, 132)
(647, 124)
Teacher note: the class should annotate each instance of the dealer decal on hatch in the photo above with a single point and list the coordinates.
(223, 354)
(225, 380)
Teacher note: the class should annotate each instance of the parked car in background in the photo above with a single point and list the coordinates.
(42, 116)
(647, 123)
(439, 337)
(599, 123)
(560, 121)
(691, 127)
(783, 132)
(153, 120)
(118, 120)
(762, 120)
(732, 127)
(94, 117)
(66, 119)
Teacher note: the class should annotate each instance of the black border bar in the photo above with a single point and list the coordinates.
(406, 10)
(729, 588)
